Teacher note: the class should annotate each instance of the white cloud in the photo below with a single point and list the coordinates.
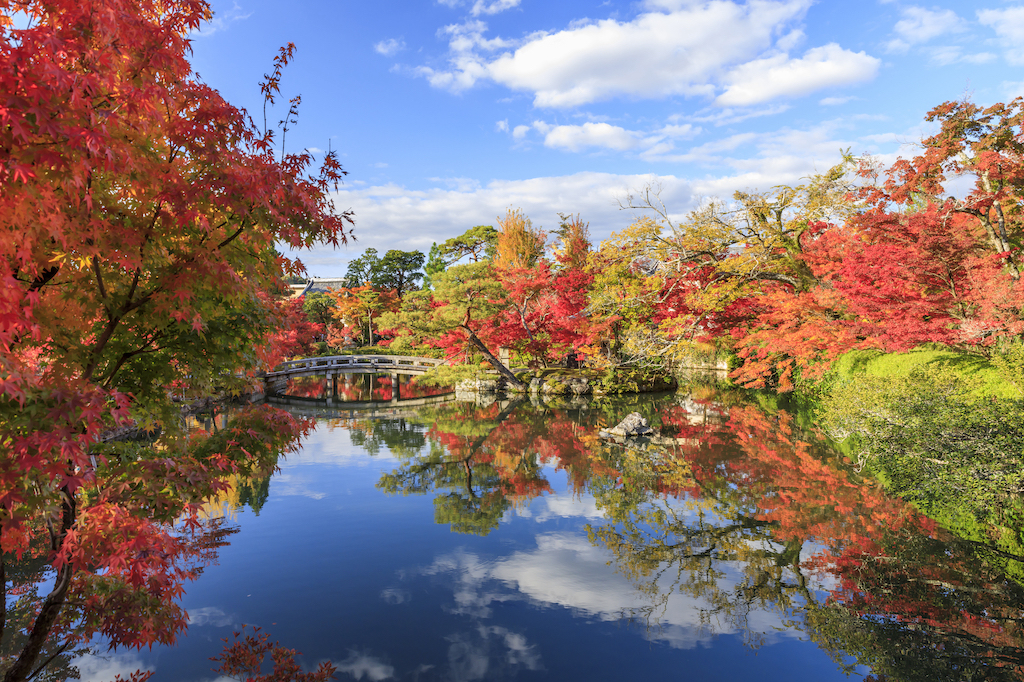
(298, 485)
(470, 572)
(779, 76)
(1013, 89)
(221, 22)
(390, 47)
(1009, 26)
(578, 137)
(655, 55)
(394, 595)
(390, 216)
(458, 184)
(953, 54)
(602, 135)
(464, 43)
(790, 40)
(834, 101)
(751, 161)
(730, 116)
(501, 126)
(363, 665)
(476, 654)
(493, 7)
(677, 48)
(896, 45)
(717, 150)
(394, 217)
(684, 131)
(919, 25)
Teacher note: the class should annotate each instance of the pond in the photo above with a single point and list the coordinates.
(465, 541)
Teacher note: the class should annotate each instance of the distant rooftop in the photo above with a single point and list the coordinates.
(318, 286)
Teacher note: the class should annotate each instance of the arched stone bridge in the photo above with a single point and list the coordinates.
(334, 365)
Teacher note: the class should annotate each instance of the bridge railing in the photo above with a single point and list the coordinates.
(339, 363)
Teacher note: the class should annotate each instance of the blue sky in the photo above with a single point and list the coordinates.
(446, 112)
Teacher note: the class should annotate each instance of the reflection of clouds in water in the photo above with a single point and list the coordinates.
(566, 570)
(520, 652)
(471, 599)
(292, 485)
(103, 668)
(328, 445)
(818, 580)
(209, 615)
(472, 654)
(394, 595)
(426, 667)
(332, 446)
(568, 506)
(360, 665)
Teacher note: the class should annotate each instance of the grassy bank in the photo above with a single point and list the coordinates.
(942, 429)
(998, 377)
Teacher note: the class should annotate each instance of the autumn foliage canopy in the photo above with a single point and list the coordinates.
(139, 217)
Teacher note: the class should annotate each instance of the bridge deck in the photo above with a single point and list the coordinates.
(354, 364)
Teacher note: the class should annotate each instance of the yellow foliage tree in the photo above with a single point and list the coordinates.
(519, 244)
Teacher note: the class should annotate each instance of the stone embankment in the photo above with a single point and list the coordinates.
(566, 386)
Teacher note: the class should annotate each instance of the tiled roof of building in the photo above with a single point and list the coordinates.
(320, 286)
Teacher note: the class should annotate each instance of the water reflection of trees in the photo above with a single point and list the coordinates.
(743, 511)
(477, 468)
(361, 387)
(398, 436)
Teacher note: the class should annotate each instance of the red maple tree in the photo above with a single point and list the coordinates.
(137, 229)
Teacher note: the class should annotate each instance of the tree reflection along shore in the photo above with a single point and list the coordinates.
(748, 513)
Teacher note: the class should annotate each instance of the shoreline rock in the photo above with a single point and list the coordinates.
(633, 426)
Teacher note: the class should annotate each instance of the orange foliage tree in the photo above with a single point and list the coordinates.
(358, 306)
(915, 265)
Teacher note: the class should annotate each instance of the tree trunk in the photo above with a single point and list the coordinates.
(51, 608)
(495, 362)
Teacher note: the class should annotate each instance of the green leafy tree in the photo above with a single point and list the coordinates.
(453, 315)
(396, 271)
(399, 271)
(362, 270)
(477, 243)
(319, 308)
(435, 264)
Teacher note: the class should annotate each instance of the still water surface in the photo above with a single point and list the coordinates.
(507, 541)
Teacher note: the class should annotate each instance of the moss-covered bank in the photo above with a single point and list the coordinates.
(941, 429)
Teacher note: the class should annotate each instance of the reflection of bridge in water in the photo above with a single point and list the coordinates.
(374, 409)
(336, 365)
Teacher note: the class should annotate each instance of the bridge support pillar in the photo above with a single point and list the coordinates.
(330, 387)
(275, 386)
(396, 388)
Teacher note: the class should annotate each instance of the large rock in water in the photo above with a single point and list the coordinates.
(632, 425)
